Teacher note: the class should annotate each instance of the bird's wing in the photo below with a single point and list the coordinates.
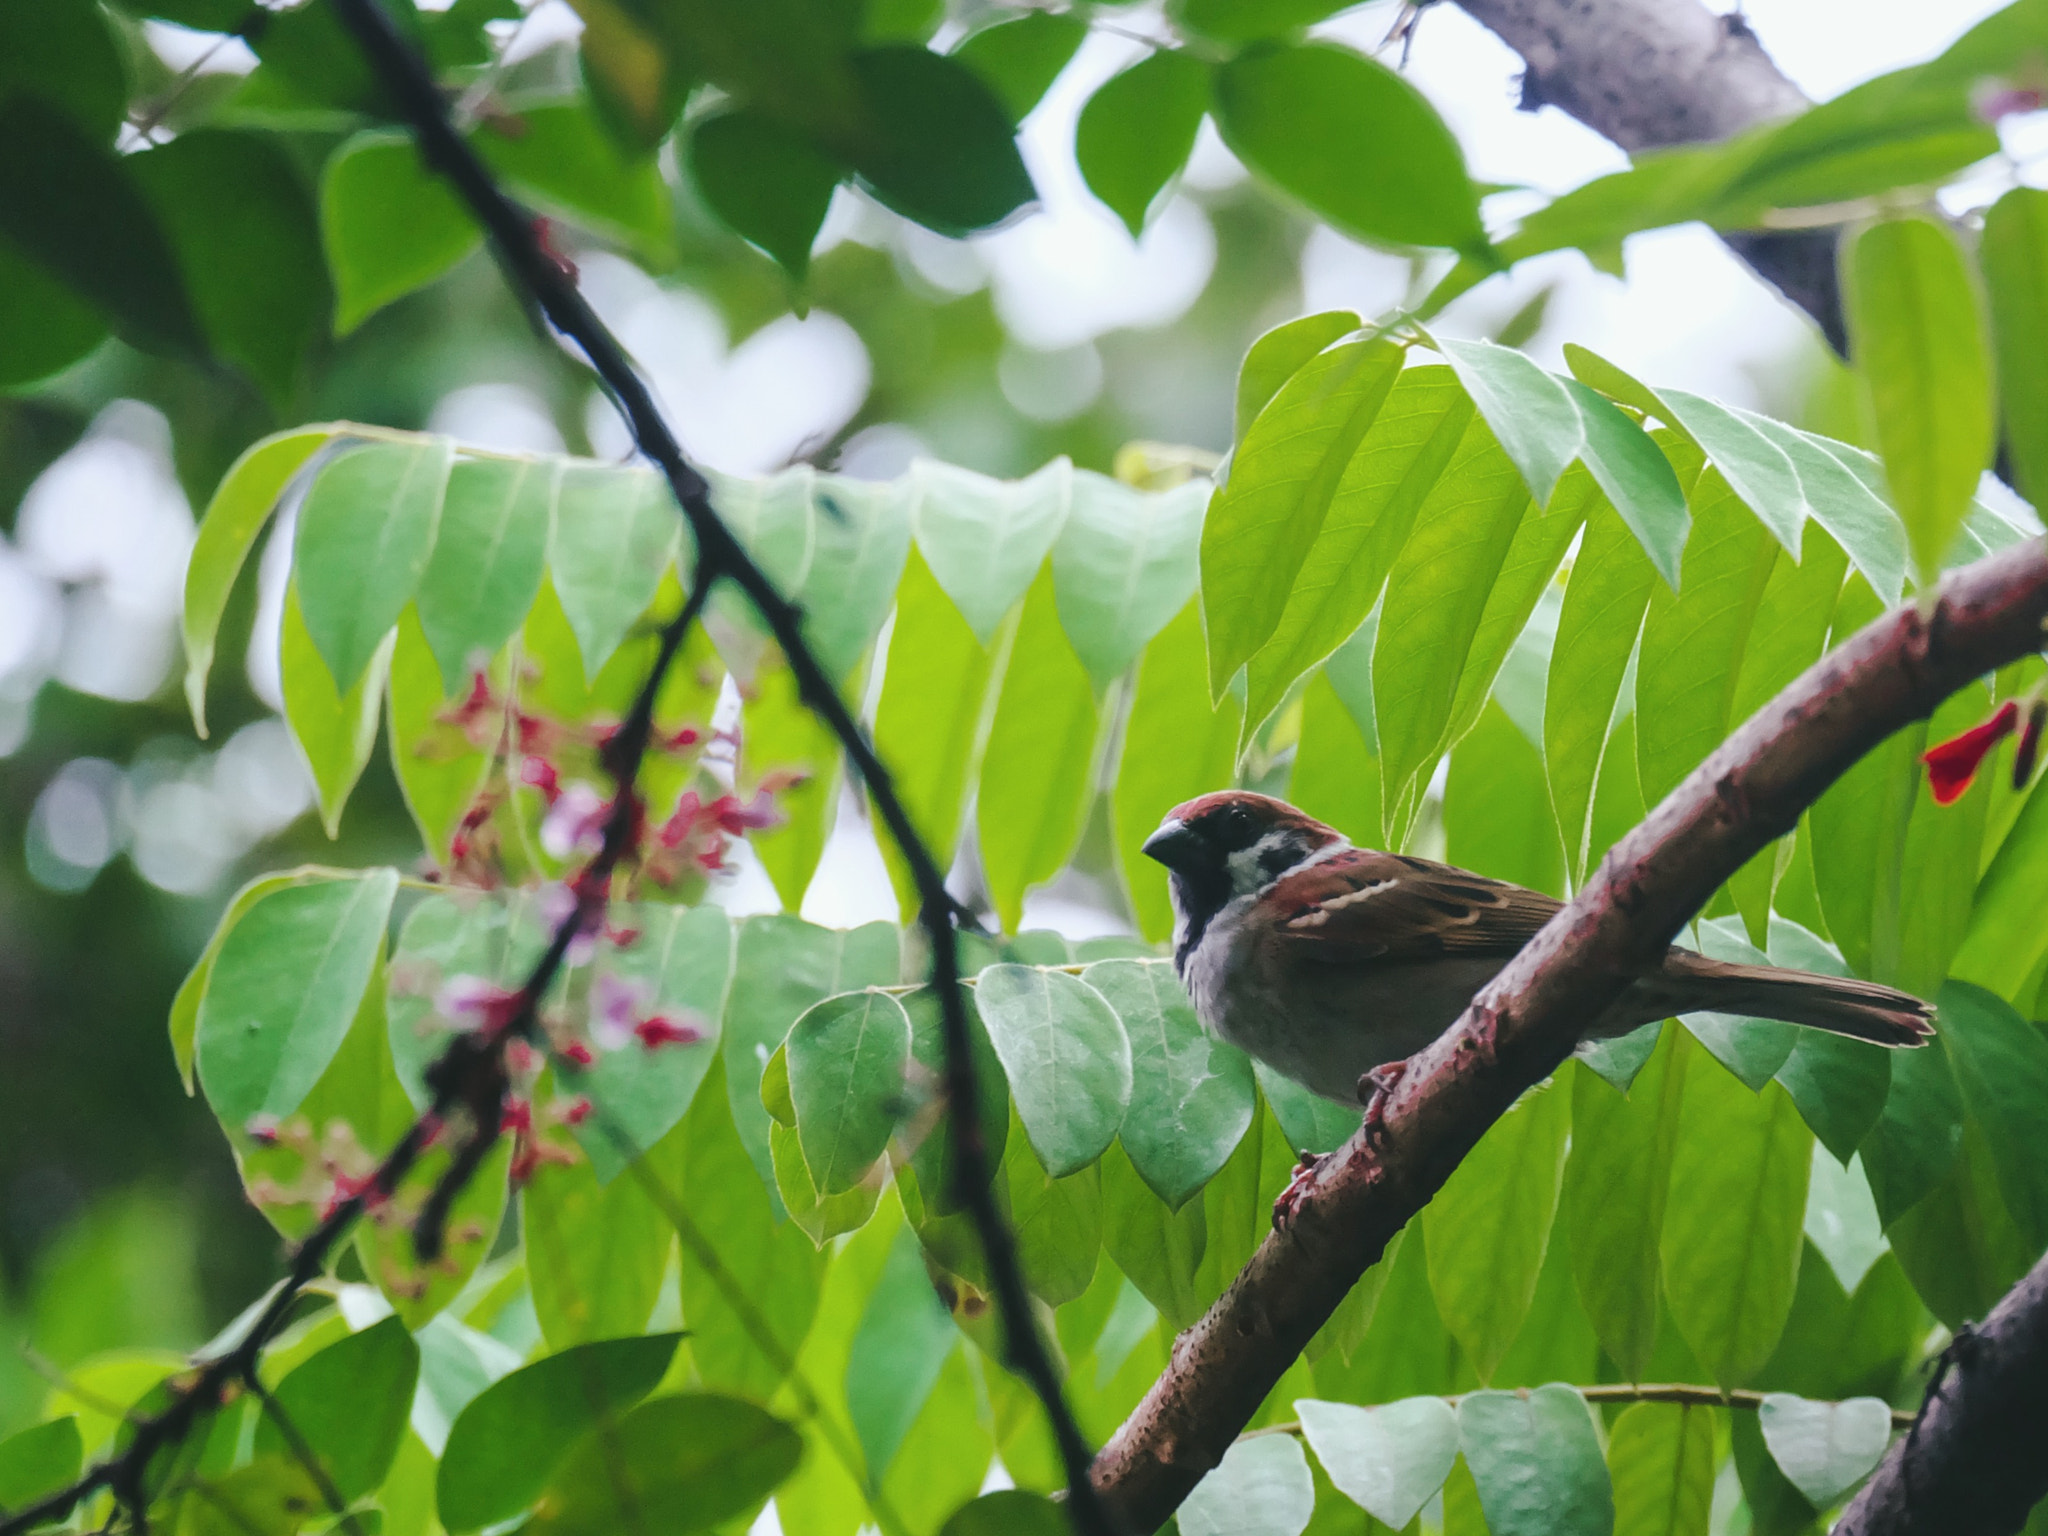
(1366, 906)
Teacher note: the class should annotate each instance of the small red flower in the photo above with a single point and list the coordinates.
(2030, 743)
(579, 1053)
(517, 1119)
(1952, 764)
(577, 1112)
(540, 773)
(658, 1030)
(521, 1057)
(525, 1158)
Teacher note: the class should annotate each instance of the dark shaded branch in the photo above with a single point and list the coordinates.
(1649, 74)
(1527, 1020)
(1972, 1463)
(539, 277)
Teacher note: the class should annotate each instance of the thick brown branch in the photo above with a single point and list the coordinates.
(1972, 1465)
(1653, 73)
(1750, 791)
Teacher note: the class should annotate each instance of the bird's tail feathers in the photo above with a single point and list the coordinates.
(1841, 1005)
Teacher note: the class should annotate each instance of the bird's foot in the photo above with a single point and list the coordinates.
(1295, 1195)
(1374, 1090)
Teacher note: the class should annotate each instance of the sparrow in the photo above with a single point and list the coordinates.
(1334, 964)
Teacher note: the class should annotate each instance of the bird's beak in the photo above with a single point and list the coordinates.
(1171, 844)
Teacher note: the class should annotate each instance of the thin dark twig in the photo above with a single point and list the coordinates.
(539, 275)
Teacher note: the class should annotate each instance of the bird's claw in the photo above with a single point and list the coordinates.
(1295, 1195)
(1374, 1091)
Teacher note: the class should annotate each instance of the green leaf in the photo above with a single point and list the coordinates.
(335, 731)
(930, 723)
(1058, 1222)
(2001, 1065)
(248, 246)
(66, 51)
(1285, 475)
(1038, 774)
(1757, 469)
(1535, 418)
(1842, 487)
(365, 533)
(506, 1444)
(1536, 1461)
(1661, 1458)
(1382, 491)
(2014, 255)
(861, 538)
(561, 158)
(1753, 1049)
(1616, 1184)
(1137, 131)
(1917, 1138)
(1261, 1488)
(932, 141)
(390, 225)
(240, 507)
(984, 539)
(1020, 58)
(780, 736)
(595, 1253)
(1489, 1224)
(749, 1279)
(1839, 1084)
(1067, 1058)
(682, 964)
(2005, 942)
(1390, 1461)
(44, 326)
(933, 1159)
(1597, 630)
(1825, 1449)
(1316, 120)
(1636, 477)
(615, 533)
(1008, 1512)
(1918, 336)
(897, 1352)
(1192, 1096)
(349, 1403)
(1842, 1222)
(274, 1494)
(946, 1453)
(1693, 639)
(184, 1021)
(70, 205)
(440, 771)
(847, 1061)
(768, 183)
(782, 965)
(1437, 595)
(488, 555)
(1497, 817)
(1279, 355)
(1310, 1122)
(37, 1461)
(1731, 1238)
(1123, 566)
(1336, 772)
(682, 1463)
(1244, 21)
(283, 989)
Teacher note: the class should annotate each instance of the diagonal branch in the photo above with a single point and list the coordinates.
(538, 276)
(1525, 1023)
(1649, 74)
(1971, 1465)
